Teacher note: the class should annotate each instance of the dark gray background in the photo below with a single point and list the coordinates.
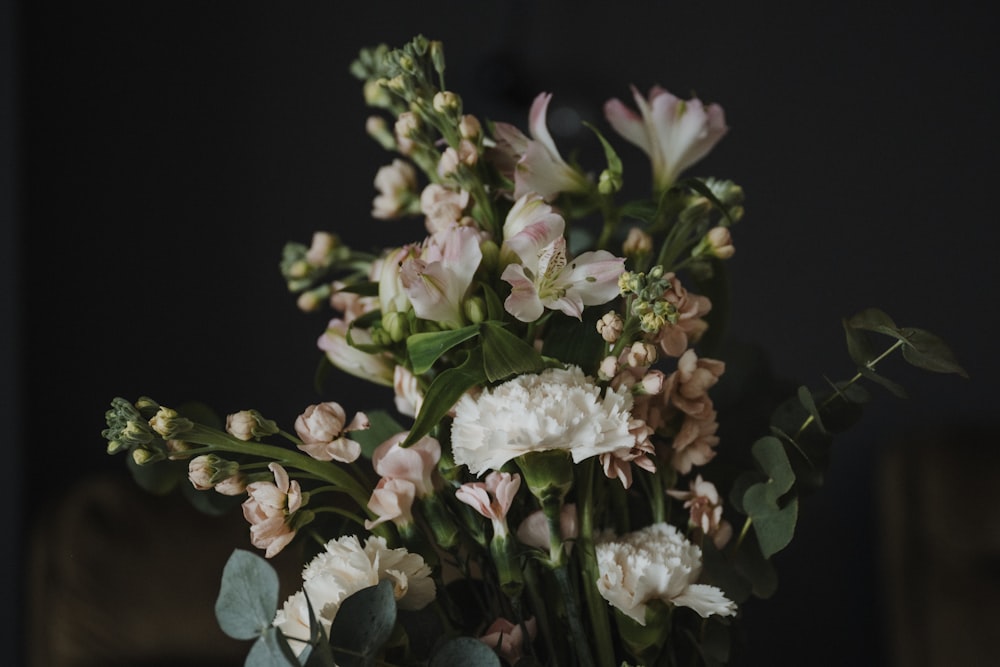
(166, 151)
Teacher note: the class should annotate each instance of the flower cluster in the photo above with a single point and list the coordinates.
(549, 484)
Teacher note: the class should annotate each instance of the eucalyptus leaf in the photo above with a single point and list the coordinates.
(506, 355)
(859, 346)
(773, 524)
(872, 319)
(894, 388)
(382, 427)
(318, 652)
(464, 651)
(271, 650)
(758, 570)
(363, 624)
(928, 351)
(806, 399)
(426, 348)
(248, 595)
(444, 391)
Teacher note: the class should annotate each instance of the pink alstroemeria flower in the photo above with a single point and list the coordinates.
(492, 498)
(436, 282)
(674, 133)
(546, 278)
(372, 367)
(539, 167)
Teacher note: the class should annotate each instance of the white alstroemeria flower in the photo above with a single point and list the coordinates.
(546, 278)
(436, 282)
(345, 568)
(539, 166)
(375, 368)
(655, 563)
(555, 409)
(674, 133)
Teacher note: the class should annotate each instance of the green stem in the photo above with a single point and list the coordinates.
(596, 606)
(218, 441)
(340, 512)
(580, 643)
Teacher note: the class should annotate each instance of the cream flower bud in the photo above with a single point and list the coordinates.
(320, 253)
(651, 383)
(446, 102)
(721, 242)
(250, 424)
(640, 354)
(637, 244)
(608, 368)
(378, 129)
(232, 486)
(610, 326)
(405, 128)
(470, 127)
(376, 94)
(168, 423)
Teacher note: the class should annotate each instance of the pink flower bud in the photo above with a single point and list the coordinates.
(321, 428)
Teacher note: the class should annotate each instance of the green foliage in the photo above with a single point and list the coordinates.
(505, 355)
(444, 391)
(464, 651)
(424, 349)
(382, 427)
(773, 523)
(248, 596)
(363, 625)
(271, 650)
(572, 341)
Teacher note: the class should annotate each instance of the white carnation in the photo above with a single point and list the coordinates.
(346, 568)
(556, 409)
(656, 563)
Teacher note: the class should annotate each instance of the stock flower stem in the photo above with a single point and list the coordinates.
(217, 440)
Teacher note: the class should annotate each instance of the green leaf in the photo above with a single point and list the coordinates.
(773, 524)
(248, 596)
(367, 288)
(644, 210)
(928, 351)
(872, 319)
(444, 391)
(382, 427)
(426, 348)
(506, 355)
(363, 624)
(464, 651)
(699, 186)
(859, 347)
(318, 652)
(576, 342)
(806, 399)
(893, 387)
(757, 570)
(494, 306)
(271, 650)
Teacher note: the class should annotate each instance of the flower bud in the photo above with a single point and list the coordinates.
(205, 471)
(168, 423)
(233, 486)
(143, 456)
(721, 242)
(651, 383)
(250, 424)
(376, 93)
(320, 253)
(469, 127)
(610, 326)
(641, 354)
(396, 326)
(637, 244)
(447, 102)
(475, 310)
(437, 56)
(609, 182)
(608, 368)
(378, 129)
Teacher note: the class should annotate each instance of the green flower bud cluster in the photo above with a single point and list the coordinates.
(300, 274)
(127, 427)
(729, 194)
(649, 303)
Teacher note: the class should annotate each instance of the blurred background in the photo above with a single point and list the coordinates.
(157, 156)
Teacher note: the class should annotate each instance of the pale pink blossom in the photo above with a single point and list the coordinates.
(694, 444)
(691, 381)
(545, 276)
(442, 207)
(720, 241)
(396, 183)
(405, 128)
(507, 638)
(691, 309)
(470, 127)
(466, 154)
(392, 500)
(610, 326)
(492, 498)
(351, 305)
(437, 281)
(416, 463)
(618, 464)
(235, 485)
(322, 427)
(674, 133)
(408, 398)
(321, 249)
(538, 166)
(637, 243)
(705, 510)
(377, 368)
(269, 508)
(534, 529)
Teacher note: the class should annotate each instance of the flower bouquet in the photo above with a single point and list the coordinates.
(548, 486)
